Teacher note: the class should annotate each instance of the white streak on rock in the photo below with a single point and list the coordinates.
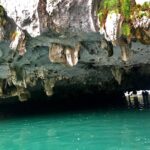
(69, 57)
(110, 29)
(144, 22)
(24, 13)
(2, 33)
(15, 41)
(75, 59)
(90, 12)
(51, 5)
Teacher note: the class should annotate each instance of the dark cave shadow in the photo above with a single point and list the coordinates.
(59, 104)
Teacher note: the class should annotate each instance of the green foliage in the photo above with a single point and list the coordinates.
(126, 31)
(146, 5)
(125, 8)
(142, 14)
(128, 12)
(106, 6)
(102, 16)
(110, 4)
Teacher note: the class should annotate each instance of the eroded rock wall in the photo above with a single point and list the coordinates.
(47, 44)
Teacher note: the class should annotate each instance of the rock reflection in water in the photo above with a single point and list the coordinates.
(138, 99)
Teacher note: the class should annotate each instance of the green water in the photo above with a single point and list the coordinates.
(93, 130)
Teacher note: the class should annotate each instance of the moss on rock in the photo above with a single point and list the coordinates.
(126, 30)
(132, 17)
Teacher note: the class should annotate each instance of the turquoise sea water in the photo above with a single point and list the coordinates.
(109, 129)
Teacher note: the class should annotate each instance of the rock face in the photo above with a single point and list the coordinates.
(48, 44)
(73, 15)
(24, 14)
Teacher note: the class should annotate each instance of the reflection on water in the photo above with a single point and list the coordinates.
(70, 125)
(106, 130)
(95, 129)
(138, 99)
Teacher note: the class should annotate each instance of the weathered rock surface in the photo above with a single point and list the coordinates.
(49, 44)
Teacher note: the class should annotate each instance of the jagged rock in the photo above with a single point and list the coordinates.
(24, 14)
(49, 44)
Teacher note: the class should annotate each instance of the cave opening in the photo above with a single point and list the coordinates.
(65, 103)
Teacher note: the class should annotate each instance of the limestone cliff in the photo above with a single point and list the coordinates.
(75, 44)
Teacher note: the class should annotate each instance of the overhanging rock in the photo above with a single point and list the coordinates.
(56, 43)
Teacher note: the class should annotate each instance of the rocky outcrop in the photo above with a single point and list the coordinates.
(48, 44)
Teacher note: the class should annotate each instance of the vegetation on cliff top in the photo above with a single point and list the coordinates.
(128, 9)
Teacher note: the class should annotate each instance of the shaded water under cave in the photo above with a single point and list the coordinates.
(85, 101)
(87, 121)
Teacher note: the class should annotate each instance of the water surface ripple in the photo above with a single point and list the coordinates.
(93, 130)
